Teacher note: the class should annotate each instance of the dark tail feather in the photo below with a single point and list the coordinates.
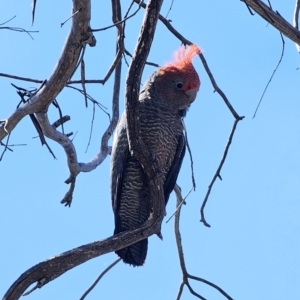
(135, 254)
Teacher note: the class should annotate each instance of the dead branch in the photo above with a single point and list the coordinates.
(275, 19)
(147, 63)
(79, 35)
(136, 144)
(218, 173)
(18, 29)
(82, 72)
(185, 274)
(187, 42)
(5, 147)
(273, 73)
(33, 11)
(99, 278)
(219, 91)
(121, 21)
(74, 166)
(52, 268)
(296, 20)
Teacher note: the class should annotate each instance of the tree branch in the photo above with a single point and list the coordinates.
(49, 270)
(218, 173)
(54, 267)
(136, 144)
(296, 20)
(185, 274)
(275, 19)
(99, 278)
(79, 35)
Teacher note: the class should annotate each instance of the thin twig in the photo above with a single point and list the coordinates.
(5, 147)
(101, 106)
(98, 278)
(75, 13)
(82, 69)
(249, 9)
(212, 285)
(91, 130)
(187, 42)
(146, 63)
(280, 59)
(18, 29)
(180, 290)
(55, 103)
(191, 157)
(26, 93)
(8, 20)
(218, 173)
(113, 65)
(217, 89)
(170, 8)
(33, 11)
(119, 22)
(87, 81)
(182, 202)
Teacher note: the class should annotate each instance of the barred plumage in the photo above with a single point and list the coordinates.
(163, 102)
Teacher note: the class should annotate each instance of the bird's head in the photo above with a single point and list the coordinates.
(178, 81)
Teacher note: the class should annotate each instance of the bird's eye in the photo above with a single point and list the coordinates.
(179, 85)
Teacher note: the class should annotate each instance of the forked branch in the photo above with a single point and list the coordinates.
(185, 275)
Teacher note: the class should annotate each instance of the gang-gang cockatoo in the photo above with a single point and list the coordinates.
(164, 100)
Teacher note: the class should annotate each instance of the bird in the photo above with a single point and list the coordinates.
(164, 100)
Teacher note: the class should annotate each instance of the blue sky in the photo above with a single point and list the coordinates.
(252, 249)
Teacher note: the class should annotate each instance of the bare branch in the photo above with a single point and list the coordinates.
(170, 8)
(275, 19)
(5, 147)
(146, 63)
(274, 71)
(89, 97)
(217, 89)
(18, 29)
(75, 13)
(82, 69)
(50, 269)
(51, 133)
(296, 20)
(78, 36)
(99, 277)
(101, 81)
(121, 21)
(185, 274)
(61, 121)
(7, 20)
(33, 10)
(91, 130)
(180, 290)
(136, 144)
(187, 42)
(105, 149)
(191, 157)
(218, 173)
(220, 92)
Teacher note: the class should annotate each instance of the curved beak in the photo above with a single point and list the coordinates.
(192, 94)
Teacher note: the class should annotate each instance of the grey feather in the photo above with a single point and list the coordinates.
(162, 132)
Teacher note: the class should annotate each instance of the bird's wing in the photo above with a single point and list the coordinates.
(175, 167)
(120, 150)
